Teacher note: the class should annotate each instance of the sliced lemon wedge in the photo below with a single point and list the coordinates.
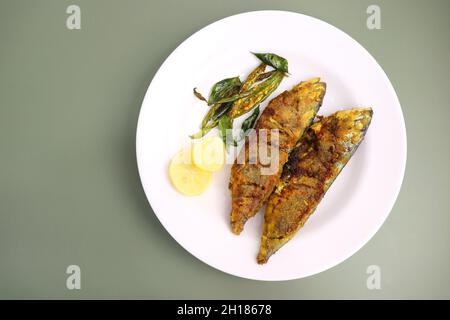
(187, 178)
(209, 154)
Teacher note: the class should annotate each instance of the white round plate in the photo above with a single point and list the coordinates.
(360, 199)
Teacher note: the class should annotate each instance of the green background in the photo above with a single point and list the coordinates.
(69, 188)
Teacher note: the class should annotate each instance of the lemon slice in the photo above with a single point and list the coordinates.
(209, 154)
(187, 178)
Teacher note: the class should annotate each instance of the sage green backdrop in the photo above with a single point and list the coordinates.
(69, 187)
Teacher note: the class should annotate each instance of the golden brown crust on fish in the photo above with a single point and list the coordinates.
(290, 113)
(313, 165)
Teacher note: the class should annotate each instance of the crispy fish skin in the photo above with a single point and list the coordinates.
(313, 165)
(291, 113)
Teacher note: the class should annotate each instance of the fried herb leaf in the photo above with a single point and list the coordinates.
(223, 89)
(273, 60)
(237, 96)
(249, 123)
(217, 110)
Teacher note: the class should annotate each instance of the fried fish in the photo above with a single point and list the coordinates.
(290, 113)
(321, 154)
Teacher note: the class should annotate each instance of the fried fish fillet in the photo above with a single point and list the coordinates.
(290, 113)
(321, 154)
